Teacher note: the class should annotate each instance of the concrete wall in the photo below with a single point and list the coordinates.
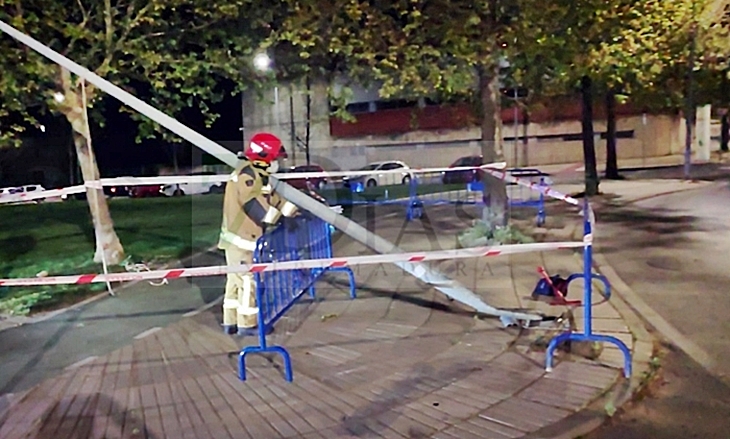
(660, 136)
(548, 142)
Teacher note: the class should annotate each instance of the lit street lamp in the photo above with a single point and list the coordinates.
(262, 62)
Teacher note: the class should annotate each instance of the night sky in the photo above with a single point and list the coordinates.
(117, 150)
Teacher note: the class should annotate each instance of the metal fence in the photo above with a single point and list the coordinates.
(304, 237)
(588, 276)
(467, 187)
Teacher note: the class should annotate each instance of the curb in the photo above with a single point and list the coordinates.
(594, 415)
(637, 314)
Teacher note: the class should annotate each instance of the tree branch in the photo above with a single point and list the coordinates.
(84, 13)
(113, 47)
(174, 32)
(85, 16)
(19, 13)
(108, 25)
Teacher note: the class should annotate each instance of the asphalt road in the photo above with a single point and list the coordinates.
(674, 252)
(31, 353)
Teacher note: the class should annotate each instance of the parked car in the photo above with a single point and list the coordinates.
(7, 191)
(357, 182)
(464, 176)
(178, 189)
(153, 190)
(302, 183)
(116, 191)
(27, 189)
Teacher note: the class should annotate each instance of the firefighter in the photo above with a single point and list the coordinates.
(249, 206)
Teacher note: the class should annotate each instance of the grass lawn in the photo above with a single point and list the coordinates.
(59, 238)
(344, 196)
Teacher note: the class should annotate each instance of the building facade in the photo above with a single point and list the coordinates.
(426, 135)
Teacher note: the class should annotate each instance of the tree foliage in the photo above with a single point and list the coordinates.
(441, 49)
(637, 47)
(632, 49)
(177, 53)
(409, 48)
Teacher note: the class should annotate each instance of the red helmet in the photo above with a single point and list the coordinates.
(264, 147)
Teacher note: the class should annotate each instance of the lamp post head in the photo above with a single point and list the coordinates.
(262, 62)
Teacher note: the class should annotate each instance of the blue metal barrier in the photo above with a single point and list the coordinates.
(277, 291)
(521, 196)
(588, 277)
(356, 196)
(472, 192)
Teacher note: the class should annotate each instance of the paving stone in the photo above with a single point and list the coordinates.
(561, 394)
(471, 395)
(523, 415)
(495, 379)
(335, 355)
(611, 356)
(479, 427)
(586, 374)
(608, 325)
(430, 418)
(405, 426)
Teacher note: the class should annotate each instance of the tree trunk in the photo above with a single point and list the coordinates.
(611, 156)
(589, 148)
(495, 190)
(525, 141)
(108, 247)
(724, 132)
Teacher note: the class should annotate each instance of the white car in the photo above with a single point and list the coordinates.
(27, 189)
(178, 189)
(385, 179)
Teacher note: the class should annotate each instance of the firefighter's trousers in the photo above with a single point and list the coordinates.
(239, 302)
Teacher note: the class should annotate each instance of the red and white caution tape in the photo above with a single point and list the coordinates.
(217, 178)
(545, 190)
(476, 252)
(492, 169)
(361, 173)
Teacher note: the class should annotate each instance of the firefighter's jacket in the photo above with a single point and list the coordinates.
(249, 205)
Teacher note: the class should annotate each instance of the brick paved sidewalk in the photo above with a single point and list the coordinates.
(407, 366)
